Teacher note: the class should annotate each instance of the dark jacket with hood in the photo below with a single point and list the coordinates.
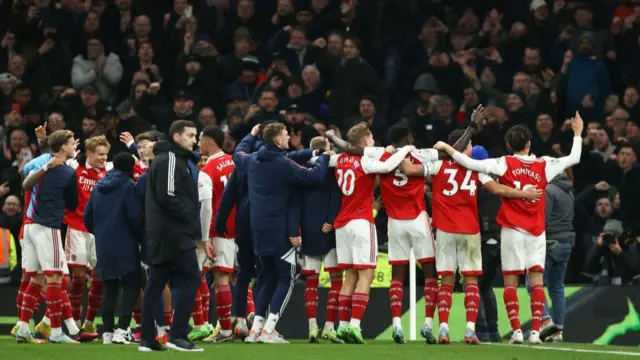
(312, 207)
(272, 178)
(559, 209)
(171, 203)
(112, 215)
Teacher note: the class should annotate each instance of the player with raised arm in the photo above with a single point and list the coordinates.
(80, 249)
(455, 216)
(523, 241)
(356, 239)
(211, 183)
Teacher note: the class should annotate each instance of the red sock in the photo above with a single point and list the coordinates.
(54, 304)
(510, 297)
(95, 298)
(23, 286)
(344, 307)
(444, 303)
(67, 312)
(30, 301)
(251, 306)
(223, 306)
(77, 290)
(137, 317)
(196, 313)
(332, 298)
(205, 294)
(430, 296)
(359, 304)
(537, 306)
(168, 318)
(471, 301)
(311, 295)
(395, 297)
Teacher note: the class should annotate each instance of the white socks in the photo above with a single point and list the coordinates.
(355, 322)
(313, 323)
(258, 324)
(270, 325)
(72, 327)
(396, 322)
(328, 326)
(429, 322)
(471, 325)
(46, 320)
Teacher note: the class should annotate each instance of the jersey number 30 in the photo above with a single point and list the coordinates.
(467, 183)
(346, 181)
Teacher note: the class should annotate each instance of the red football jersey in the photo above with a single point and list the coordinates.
(527, 215)
(356, 187)
(403, 195)
(455, 192)
(86, 179)
(138, 169)
(218, 169)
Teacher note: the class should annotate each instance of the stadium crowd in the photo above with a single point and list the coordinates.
(118, 74)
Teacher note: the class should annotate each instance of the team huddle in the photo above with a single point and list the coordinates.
(330, 222)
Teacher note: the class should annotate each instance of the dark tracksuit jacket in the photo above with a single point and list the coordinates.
(309, 209)
(113, 217)
(281, 164)
(56, 191)
(171, 204)
(272, 176)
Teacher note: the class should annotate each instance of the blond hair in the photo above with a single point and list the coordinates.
(318, 142)
(357, 133)
(92, 143)
(58, 138)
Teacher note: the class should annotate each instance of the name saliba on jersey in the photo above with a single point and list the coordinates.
(224, 164)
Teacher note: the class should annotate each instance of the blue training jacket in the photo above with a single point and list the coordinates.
(56, 192)
(272, 177)
(113, 217)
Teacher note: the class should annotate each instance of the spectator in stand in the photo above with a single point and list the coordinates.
(98, 68)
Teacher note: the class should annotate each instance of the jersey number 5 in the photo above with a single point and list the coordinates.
(346, 181)
(400, 179)
(467, 183)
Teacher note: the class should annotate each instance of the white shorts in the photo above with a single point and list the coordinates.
(23, 256)
(357, 245)
(313, 264)
(204, 263)
(458, 251)
(44, 252)
(80, 249)
(226, 252)
(405, 235)
(520, 251)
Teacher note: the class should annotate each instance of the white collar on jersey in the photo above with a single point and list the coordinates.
(215, 156)
(525, 157)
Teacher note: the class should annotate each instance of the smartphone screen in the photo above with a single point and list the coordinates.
(188, 12)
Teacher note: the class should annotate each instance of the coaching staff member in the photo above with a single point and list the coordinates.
(272, 180)
(171, 206)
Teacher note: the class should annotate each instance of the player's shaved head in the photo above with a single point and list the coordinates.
(357, 133)
(454, 136)
(517, 138)
(400, 135)
(214, 133)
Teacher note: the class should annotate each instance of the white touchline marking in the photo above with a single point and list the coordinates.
(612, 352)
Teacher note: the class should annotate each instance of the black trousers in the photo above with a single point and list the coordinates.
(488, 311)
(129, 287)
(184, 272)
